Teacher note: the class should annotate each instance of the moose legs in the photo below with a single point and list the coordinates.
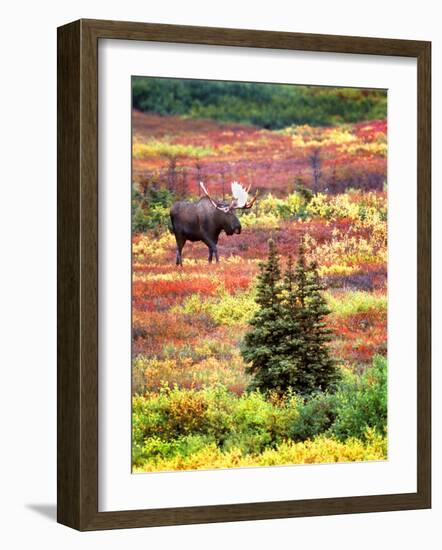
(212, 249)
(211, 252)
(180, 242)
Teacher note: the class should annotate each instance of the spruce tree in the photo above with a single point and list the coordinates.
(318, 371)
(262, 348)
(287, 345)
(291, 341)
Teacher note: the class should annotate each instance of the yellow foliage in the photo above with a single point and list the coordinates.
(309, 137)
(347, 249)
(199, 369)
(357, 301)
(165, 149)
(335, 269)
(317, 451)
(374, 148)
(152, 249)
(225, 309)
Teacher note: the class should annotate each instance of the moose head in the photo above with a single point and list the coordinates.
(240, 200)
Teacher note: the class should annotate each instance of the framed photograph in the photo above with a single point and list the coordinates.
(243, 275)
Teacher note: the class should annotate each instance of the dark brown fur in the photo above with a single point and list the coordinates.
(201, 221)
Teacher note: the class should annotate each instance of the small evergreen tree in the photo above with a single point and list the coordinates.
(318, 371)
(287, 346)
(291, 341)
(262, 345)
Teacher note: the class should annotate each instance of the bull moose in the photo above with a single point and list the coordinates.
(205, 219)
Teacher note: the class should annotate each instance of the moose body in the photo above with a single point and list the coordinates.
(204, 220)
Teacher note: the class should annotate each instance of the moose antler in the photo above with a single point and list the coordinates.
(241, 196)
(215, 204)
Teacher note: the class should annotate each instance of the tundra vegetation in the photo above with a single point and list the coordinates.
(205, 391)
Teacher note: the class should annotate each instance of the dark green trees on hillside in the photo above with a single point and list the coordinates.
(271, 106)
(286, 347)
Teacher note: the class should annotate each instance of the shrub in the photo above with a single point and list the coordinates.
(315, 416)
(366, 209)
(184, 427)
(150, 211)
(319, 450)
(165, 149)
(353, 302)
(271, 210)
(249, 422)
(361, 403)
(155, 450)
(152, 249)
(350, 249)
(260, 423)
(224, 309)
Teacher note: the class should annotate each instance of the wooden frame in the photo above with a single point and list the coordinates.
(77, 225)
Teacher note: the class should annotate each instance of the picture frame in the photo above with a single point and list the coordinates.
(78, 281)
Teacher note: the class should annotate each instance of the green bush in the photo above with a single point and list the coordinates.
(162, 423)
(356, 301)
(182, 423)
(150, 211)
(223, 309)
(155, 449)
(292, 207)
(315, 416)
(249, 422)
(260, 423)
(361, 403)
